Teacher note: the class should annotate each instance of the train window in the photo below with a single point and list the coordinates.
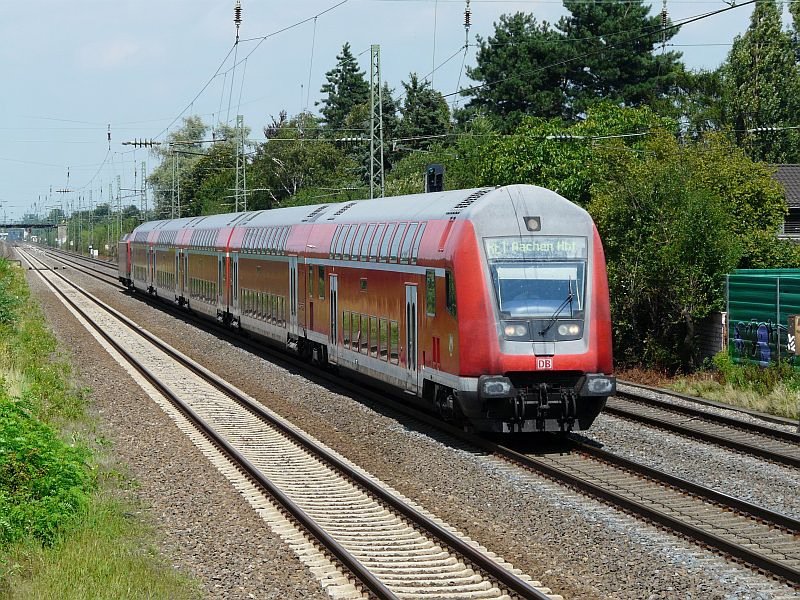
(373, 336)
(383, 348)
(430, 292)
(262, 305)
(384, 253)
(340, 242)
(346, 328)
(348, 243)
(450, 286)
(394, 343)
(364, 349)
(417, 242)
(310, 281)
(356, 319)
(394, 250)
(376, 241)
(281, 311)
(408, 240)
(360, 233)
(335, 239)
(269, 239)
(274, 314)
(366, 243)
(284, 240)
(321, 282)
(261, 245)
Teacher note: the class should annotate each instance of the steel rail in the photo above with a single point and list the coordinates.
(75, 262)
(778, 434)
(715, 542)
(706, 436)
(344, 556)
(478, 559)
(747, 411)
(767, 516)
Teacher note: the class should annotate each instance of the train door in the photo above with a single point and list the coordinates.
(412, 336)
(221, 281)
(233, 291)
(293, 295)
(184, 274)
(333, 337)
(177, 277)
(151, 264)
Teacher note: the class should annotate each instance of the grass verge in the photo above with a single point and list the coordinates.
(774, 390)
(68, 528)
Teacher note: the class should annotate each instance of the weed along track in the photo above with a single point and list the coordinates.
(358, 536)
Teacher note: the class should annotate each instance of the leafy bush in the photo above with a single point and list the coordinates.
(750, 376)
(44, 483)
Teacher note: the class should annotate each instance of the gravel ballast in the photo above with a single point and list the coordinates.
(578, 547)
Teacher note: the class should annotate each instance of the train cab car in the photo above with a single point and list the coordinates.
(488, 305)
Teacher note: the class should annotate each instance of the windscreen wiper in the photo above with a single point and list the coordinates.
(551, 322)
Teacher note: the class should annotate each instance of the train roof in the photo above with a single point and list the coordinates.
(459, 204)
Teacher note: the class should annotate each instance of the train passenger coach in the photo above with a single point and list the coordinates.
(489, 305)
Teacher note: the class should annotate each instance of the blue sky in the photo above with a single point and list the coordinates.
(71, 68)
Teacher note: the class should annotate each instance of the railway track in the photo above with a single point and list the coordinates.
(765, 540)
(376, 537)
(758, 440)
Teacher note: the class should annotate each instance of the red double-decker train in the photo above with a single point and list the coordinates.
(488, 305)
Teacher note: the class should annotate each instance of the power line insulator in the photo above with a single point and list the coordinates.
(237, 13)
(467, 16)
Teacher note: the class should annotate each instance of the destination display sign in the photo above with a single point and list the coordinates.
(543, 247)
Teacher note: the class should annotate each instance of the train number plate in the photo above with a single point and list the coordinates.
(544, 363)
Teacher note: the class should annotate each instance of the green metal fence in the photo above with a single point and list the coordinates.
(760, 302)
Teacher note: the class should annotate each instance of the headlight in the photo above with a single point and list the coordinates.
(496, 386)
(516, 330)
(600, 385)
(569, 329)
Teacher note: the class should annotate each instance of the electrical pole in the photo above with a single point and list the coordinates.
(376, 124)
(240, 193)
(143, 197)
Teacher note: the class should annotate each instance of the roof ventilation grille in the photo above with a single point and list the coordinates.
(312, 216)
(468, 200)
(341, 210)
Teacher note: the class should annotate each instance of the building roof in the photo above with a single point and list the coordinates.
(789, 176)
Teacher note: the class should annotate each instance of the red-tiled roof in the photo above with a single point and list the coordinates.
(789, 176)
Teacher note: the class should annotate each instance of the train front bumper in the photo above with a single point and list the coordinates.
(501, 404)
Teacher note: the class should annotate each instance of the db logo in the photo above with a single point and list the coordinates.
(544, 363)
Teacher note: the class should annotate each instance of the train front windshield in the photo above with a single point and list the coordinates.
(538, 276)
(539, 289)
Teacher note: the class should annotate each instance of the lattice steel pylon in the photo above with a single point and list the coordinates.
(241, 179)
(376, 124)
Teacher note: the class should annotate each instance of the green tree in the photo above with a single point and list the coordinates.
(463, 160)
(424, 112)
(178, 156)
(562, 157)
(345, 89)
(614, 45)
(296, 163)
(668, 247)
(761, 86)
(794, 10)
(699, 101)
(520, 70)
